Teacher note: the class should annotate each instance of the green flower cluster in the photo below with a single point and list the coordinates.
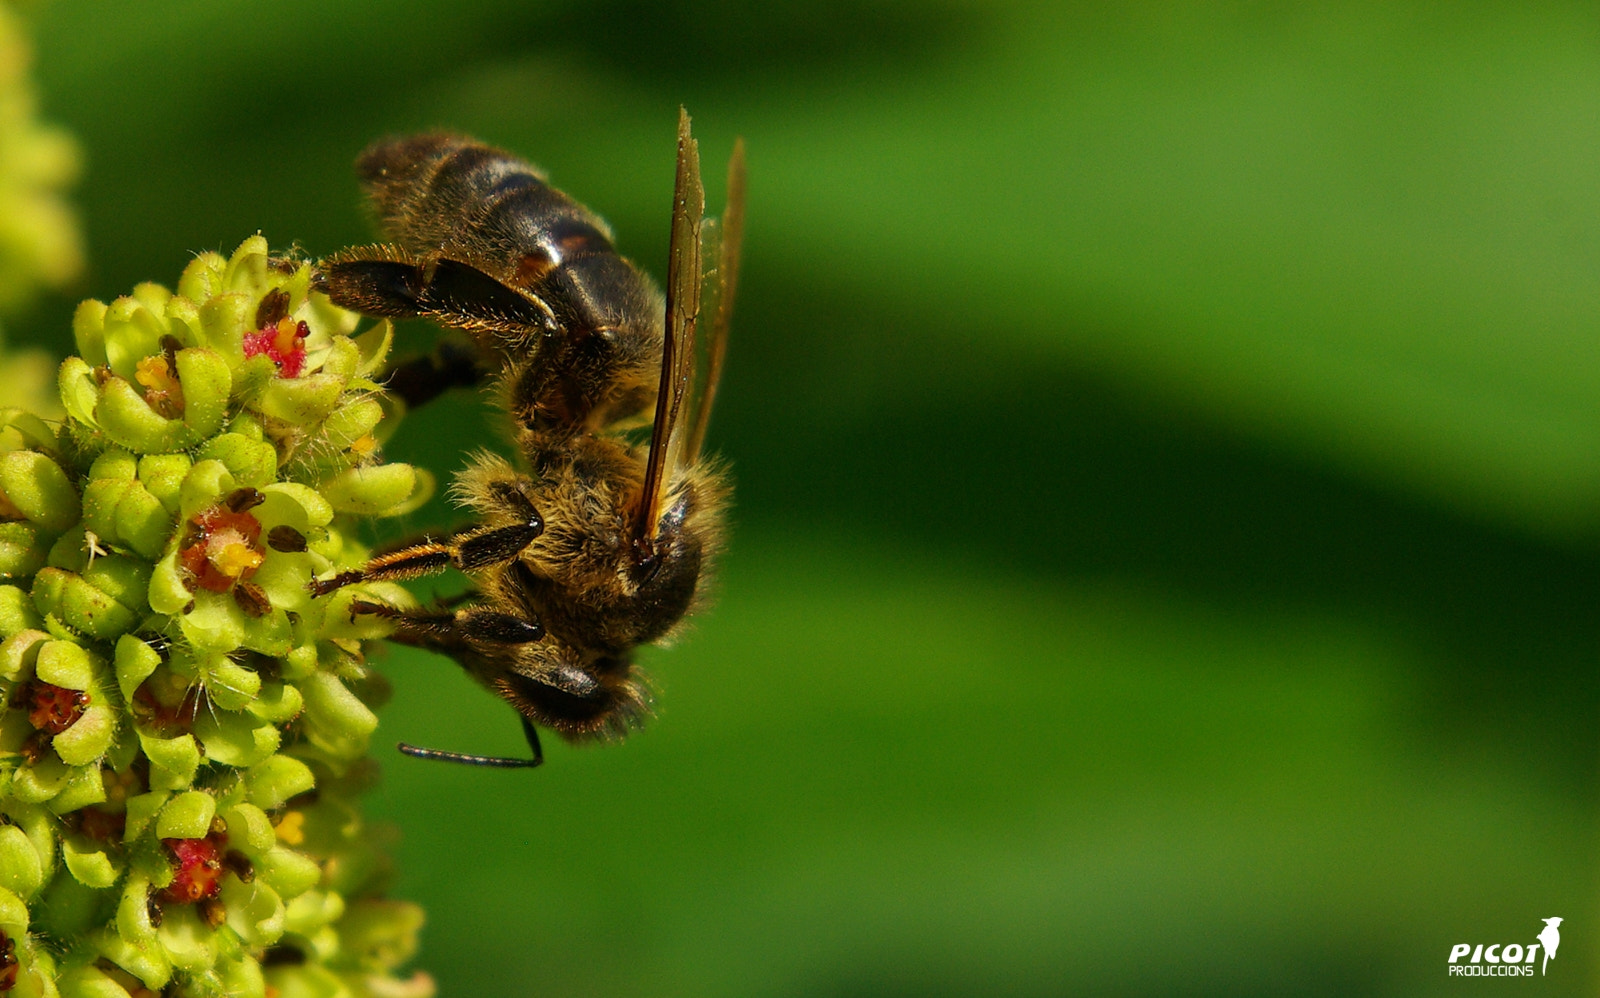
(183, 727)
(39, 242)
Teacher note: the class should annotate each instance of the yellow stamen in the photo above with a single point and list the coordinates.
(288, 331)
(291, 828)
(153, 373)
(236, 558)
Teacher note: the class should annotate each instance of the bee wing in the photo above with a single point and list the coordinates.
(721, 243)
(683, 314)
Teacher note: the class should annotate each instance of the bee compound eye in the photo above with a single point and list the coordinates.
(501, 628)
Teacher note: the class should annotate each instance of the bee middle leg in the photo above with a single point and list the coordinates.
(468, 551)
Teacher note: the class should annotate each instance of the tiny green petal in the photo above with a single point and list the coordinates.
(231, 686)
(189, 944)
(17, 611)
(173, 761)
(89, 982)
(371, 491)
(134, 661)
(89, 863)
(84, 784)
(276, 780)
(380, 933)
(89, 331)
(242, 977)
(255, 911)
(187, 816)
(19, 652)
(66, 908)
(351, 423)
(216, 625)
(374, 345)
(277, 703)
(23, 430)
(169, 592)
(79, 394)
(236, 739)
(126, 580)
(39, 488)
(22, 549)
(202, 278)
(163, 475)
(144, 959)
(337, 721)
(290, 873)
(251, 462)
(114, 463)
(88, 738)
(249, 828)
(295, 505)
(142, 810)
(205, 484)
(66, 596)
(42, 781)
(62, 663)
(123, 512)
(313, 910)
(13, 914)
(21, 872)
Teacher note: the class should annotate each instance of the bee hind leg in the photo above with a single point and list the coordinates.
(420, 380)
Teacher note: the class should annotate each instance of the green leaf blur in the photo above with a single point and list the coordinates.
(1168, 465)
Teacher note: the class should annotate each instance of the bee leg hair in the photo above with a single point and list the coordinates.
(468, 552)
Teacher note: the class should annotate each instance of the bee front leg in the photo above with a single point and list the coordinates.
(449, 630)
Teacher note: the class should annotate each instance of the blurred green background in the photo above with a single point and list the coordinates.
(1168, 477)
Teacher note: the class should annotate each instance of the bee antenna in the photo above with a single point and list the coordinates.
(496, 761)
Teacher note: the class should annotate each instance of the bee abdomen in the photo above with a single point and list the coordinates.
(443, 192)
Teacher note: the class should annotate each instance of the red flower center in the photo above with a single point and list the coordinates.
(197, 868)
(283, 342)
(223, 548)
(53, 709)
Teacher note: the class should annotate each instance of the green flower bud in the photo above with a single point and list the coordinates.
(17, 612)
(276, 780)
(22, 549)
(187, 816)
(171, 692)
(21, 872)
(90, 864)
(39, 489)
(173, 761)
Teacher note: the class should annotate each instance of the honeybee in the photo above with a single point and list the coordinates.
(594, 545)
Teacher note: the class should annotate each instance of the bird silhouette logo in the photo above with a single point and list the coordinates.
(1550, 938)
